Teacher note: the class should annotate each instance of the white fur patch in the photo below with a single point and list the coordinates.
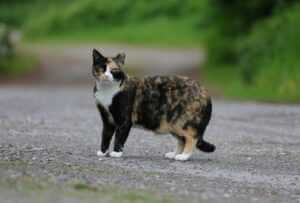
(170, 155)
(106, 90)
(108, 74)
(183, 156)
(116, 154)
(101, 154)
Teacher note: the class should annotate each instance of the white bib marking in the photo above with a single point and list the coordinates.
(106, 91)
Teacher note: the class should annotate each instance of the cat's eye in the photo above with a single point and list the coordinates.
(102, 67)
(99, 69)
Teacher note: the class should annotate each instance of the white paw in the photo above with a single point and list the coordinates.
(116, 154)
(170, 155)
(100, 153)
(182, 157)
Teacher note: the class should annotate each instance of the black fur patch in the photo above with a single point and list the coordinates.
(118, 75)
(151, 101)
(108, 128)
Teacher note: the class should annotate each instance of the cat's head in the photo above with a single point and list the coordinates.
(108, 68)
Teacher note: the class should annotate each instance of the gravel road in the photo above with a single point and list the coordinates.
(53, 133)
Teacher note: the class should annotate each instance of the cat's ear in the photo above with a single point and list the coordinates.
(98, 58)
(120, 59)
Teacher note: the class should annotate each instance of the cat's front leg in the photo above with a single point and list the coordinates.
(107, 134)
(107, 131)
(189, 144)
(121, 136)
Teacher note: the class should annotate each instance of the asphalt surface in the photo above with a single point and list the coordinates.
(53, 132)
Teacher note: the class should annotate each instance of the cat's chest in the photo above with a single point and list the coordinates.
(104, 94)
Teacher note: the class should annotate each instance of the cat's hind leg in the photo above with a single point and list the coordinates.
(179, 148)
(189, 144)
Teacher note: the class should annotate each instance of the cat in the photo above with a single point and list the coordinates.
(173, 105)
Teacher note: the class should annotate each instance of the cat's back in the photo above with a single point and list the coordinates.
(175, 88)
(169, 98)
(163, 84)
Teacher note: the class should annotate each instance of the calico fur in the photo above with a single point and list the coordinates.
(173, 105)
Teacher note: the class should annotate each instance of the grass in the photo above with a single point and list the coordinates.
(229, 84)
(132, 22)
(263, 44)
(160, 32)
(265, 65)
(18, 65)
(27, 188)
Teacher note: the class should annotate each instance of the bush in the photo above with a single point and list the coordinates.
(260, 61)
(89, 14)
(11, 62)
(269, 55)
(234, 20)
(6, 45)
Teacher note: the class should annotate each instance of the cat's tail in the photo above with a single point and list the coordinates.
(205, 146)
(202, 144)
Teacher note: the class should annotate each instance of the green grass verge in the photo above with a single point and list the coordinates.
(158, 32)
(264, 63)
(229, 84)
(18, 65)
(39, 189)
(27, 188)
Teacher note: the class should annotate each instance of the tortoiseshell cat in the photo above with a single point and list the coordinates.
(163, 104)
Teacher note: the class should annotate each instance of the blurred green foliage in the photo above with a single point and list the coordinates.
(17, 12)
(20, 64)
(7, 48)
(254, 41)
(235, 20)
(255, 45)
(104, 15)
(269, 54)
(13, 62)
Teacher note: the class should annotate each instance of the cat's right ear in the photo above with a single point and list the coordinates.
(98, 58)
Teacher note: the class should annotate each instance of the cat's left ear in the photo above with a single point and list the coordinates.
(120, 59)
(98, 58)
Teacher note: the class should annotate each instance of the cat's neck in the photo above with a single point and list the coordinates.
(105, 92)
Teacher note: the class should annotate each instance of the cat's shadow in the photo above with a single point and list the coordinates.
(144, 158)
(163, 159)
